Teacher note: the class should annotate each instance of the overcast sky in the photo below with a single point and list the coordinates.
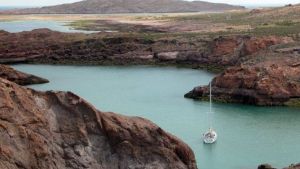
(54, 2)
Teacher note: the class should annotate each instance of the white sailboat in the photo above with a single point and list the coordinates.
(210, 136)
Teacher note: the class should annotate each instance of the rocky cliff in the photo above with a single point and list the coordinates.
(129, 6)
(18, 77)
(46, 46)
(266, 79)
(232, 50)
(60, 130)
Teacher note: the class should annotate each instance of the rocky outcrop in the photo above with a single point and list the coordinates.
(46, 46)
(18, 77)
(294, 166)
(269, 79)
(265, 166)
(258, 75)
(242, 52)
(229, 51)
(268, 166)
(60, 130)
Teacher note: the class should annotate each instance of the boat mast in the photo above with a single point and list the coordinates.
(210, 97)
(210, 106)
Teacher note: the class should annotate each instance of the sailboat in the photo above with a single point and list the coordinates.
(210, 136)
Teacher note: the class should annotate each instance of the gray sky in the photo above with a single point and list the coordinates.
(54, 2)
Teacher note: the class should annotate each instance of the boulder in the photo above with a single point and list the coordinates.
(167, 56)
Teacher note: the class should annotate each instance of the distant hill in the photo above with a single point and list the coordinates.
(128, 6)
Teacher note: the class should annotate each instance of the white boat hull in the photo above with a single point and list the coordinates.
(210, 137)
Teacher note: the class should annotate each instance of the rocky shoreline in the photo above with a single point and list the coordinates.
(46, 46)
(254, 74)
(268, 166)
(255, 70)
(20, 78)
(61, 130)
(271, 80)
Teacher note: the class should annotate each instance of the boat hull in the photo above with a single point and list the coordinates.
(210, 137)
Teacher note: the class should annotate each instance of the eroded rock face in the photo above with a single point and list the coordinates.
(46, 46)
(268, 80)
(229, 51)
(60, 130)
(18, 77)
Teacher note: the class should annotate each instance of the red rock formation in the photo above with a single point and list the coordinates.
(229, 51)
(273, 80)
(60, 130)
(46, 46)
(18, 77)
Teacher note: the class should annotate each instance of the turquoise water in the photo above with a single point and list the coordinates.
(2, 8)
(248, 135)
(28, 25)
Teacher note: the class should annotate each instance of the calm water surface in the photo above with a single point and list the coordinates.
(248, 135)
(28, 25)
(3, 8)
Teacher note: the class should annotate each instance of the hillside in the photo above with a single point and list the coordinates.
(128, 6)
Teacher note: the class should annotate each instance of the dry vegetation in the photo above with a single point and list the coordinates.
(283, 21)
